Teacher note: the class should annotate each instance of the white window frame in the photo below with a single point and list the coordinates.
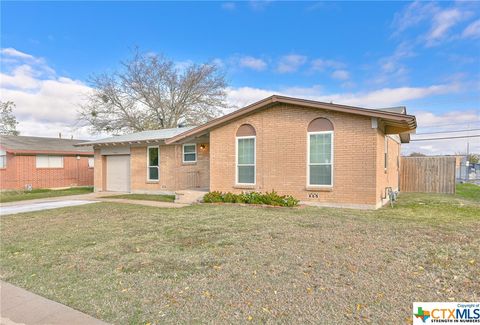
(183, 153)
(320, 164)
(148, 164)
(254, 137)
(3, 154)
(92, 160)
(48, 157)
(385, 154)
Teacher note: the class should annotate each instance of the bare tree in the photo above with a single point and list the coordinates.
(8, 122)
(417, 154)
(151, 92)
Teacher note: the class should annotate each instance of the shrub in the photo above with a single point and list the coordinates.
(268, 198)
(213, 197)
(229, 198)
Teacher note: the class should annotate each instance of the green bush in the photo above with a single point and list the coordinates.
(229, 198)
(213, 197)
(268, 198)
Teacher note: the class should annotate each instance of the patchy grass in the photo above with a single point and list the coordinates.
(468, 191)
(129, 264)
(10, 196)
(144, 197)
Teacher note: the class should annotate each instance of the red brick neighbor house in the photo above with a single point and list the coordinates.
(44, 163)
(321, 153)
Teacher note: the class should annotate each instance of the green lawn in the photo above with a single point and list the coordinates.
(145, 197)
(131, 264)
(468, 191)
(10, 196)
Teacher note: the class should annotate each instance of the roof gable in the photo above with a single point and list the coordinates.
(394, 118)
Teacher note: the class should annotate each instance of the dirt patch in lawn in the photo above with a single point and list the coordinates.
(231, 264)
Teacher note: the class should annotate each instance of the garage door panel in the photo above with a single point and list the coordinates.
(118, 173)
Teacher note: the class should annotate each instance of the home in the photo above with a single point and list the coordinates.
(321, 153)
(35, 162)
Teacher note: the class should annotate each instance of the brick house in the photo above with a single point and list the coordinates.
(44, 163)
(321, 153)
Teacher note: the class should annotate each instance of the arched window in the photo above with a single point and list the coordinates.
(320, 153)
(245, 155)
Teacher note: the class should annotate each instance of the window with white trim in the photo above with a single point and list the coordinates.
(3, 159)
(189, 153)
(320, 152)
(320, 158)
(246, 160)
(385, 154)
(153, 160)
(91, 162)
(245, 155)
(45, 161)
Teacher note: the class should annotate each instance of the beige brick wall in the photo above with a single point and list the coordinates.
(359, 178)
(387, 177)
(281, 163)
(174, 174)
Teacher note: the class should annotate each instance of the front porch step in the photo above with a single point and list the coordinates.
(189, 196)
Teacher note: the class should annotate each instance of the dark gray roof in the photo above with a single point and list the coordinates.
(38, 144)
(141, 136)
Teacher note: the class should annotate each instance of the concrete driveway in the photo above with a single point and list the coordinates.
(26, 206)
(74, 200)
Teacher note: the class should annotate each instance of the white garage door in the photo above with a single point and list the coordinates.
(118, 173)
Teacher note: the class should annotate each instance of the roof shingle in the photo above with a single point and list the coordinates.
(38, 144)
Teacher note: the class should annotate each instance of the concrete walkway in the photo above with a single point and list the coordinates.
(158, 204)
(190, 196)
(19, 306)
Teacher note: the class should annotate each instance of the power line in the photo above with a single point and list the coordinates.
(448, 131)
(450, 124)
(446, 138)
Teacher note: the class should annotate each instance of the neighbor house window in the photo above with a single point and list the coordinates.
(385, 153)
(320, 153)
(3, 159)
(153, 164)
(245, 155)
(189, 153)
(91, 162)
(43, 161)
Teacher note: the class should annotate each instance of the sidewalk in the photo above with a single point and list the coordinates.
(18, 306)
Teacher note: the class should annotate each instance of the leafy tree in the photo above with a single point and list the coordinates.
(8, 122)
(152, 92)
(473, 158)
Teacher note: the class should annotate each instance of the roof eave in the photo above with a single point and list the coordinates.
(52, 152)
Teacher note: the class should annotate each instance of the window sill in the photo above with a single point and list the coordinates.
(244, 186)
(189, 163)
(49, 167)
(153, 182)
(319, 188)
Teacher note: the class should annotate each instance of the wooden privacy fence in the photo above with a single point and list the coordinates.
(427, 174)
